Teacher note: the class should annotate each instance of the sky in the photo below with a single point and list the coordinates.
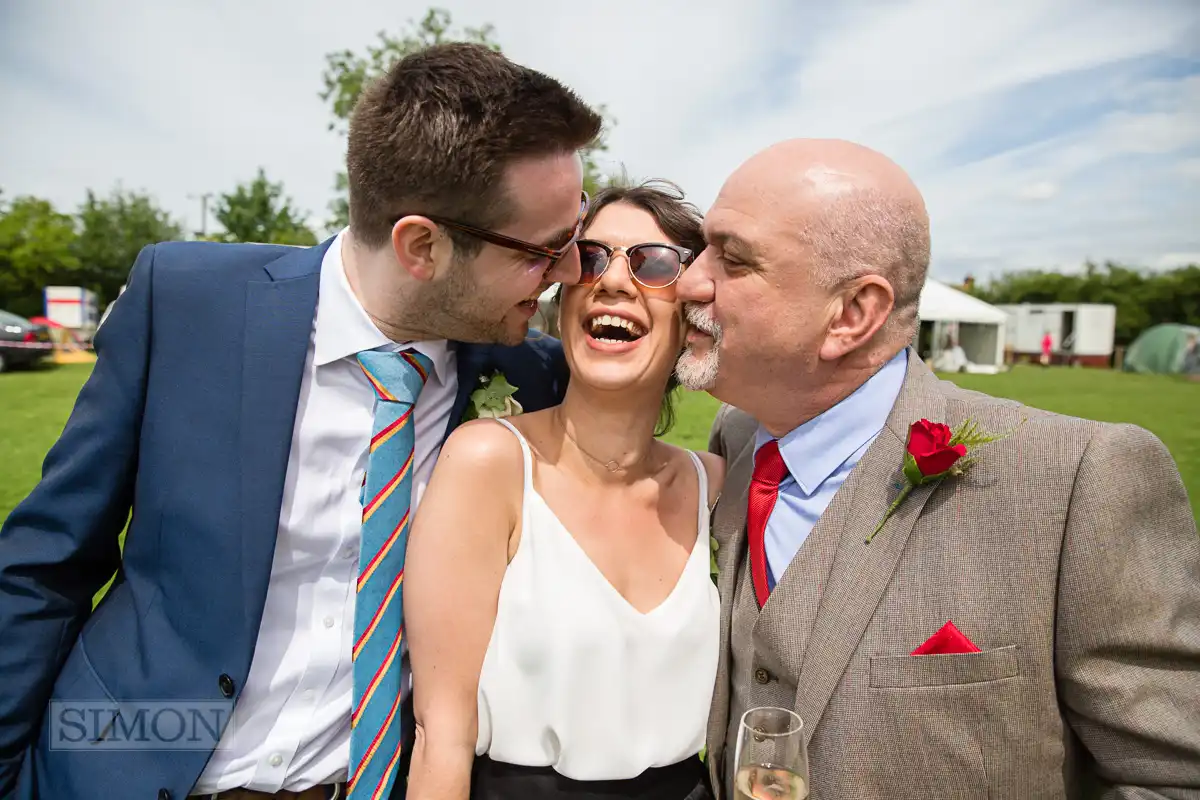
(1042, 133)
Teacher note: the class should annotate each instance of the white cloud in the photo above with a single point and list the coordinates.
(1042, 133)
(1041, 190)
(1190, 167)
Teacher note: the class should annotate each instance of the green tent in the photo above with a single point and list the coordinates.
(1163, 349)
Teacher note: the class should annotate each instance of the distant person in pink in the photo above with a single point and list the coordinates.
(1047, 345)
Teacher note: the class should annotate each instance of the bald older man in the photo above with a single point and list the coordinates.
(1029, 628)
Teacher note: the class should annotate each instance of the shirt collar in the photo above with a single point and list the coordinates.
(815, 450)
(342, 327)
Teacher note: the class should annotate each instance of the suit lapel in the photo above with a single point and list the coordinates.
(280, 309)
(471, 360)
(862, 572)
(729, 529)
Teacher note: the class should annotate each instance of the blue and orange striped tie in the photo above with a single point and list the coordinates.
(375, 735)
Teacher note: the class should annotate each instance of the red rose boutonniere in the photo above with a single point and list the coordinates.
(933, 453)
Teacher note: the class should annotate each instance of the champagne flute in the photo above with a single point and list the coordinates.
(771, 757)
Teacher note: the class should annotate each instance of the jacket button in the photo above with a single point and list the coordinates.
(226, 684)
(163, 794)
(762, 676)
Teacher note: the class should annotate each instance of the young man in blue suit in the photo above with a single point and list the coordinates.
(237, 419)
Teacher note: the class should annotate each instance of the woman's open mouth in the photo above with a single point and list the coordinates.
(612, 333)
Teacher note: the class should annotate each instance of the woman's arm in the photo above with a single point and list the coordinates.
(456, 557)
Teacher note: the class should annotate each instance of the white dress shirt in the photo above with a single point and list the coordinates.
(291, 727)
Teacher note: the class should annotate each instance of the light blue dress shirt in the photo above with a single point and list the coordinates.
(820, 455)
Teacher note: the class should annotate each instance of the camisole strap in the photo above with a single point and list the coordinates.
(702, 474)
(526, 454)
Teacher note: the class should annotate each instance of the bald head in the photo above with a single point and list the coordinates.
(851, 210)
(827, 168)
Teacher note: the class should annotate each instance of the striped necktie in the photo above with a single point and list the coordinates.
(375, 735)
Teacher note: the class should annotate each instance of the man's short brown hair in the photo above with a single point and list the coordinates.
(435, 134)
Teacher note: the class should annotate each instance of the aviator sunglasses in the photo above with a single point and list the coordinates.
(653, 265)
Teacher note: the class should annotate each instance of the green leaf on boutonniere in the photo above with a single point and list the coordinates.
(911, 471)
(493, 399)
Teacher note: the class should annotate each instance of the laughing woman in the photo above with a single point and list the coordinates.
(562, 624)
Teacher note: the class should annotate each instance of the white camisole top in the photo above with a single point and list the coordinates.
(577, 679)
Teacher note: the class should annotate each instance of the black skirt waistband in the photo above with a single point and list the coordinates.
(496, 780)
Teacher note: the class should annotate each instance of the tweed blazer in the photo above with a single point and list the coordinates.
(1068, 554)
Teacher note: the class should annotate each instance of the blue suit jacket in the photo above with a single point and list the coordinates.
(185, 422)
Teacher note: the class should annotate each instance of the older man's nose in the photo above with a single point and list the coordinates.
(695, 285)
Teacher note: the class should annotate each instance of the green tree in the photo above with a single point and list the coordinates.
(113, 230)
(36, 250)
(1142, 297)
(347, 72)
(1175, 296)
(259, 212)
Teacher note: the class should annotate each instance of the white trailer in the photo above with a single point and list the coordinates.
(73, 307)
(1080, 333)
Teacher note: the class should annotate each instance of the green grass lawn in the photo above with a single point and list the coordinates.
(34, 406)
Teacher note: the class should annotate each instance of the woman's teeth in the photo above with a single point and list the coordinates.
(608, 328)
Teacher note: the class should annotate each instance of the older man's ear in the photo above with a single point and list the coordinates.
(857, 316)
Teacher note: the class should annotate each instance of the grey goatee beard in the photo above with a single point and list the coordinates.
(698, 372)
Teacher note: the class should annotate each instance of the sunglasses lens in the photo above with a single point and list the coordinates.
(654, 266)
(592, 259)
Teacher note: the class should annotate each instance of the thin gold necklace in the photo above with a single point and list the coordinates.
(611, 465)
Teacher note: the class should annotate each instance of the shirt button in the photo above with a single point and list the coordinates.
(276, 760)
(307, 696)
(762, 676)
(349, 553)
(328, 622)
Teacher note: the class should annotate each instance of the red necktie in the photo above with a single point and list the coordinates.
(769, 470)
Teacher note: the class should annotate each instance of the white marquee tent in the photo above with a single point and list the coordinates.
(959, 332)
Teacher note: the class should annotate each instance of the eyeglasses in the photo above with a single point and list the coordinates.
(554, 254)
(653, 265)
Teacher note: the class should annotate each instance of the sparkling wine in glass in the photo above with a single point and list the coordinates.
(771, 758)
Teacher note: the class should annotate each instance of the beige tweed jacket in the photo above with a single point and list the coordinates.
(1068, 554)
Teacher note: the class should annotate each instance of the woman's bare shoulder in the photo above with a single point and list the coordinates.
(479, 447)
(476, 487)
(714, 468)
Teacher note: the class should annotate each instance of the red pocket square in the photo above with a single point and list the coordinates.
(948, 639)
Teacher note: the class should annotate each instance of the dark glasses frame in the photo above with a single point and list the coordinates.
(685, 258)
(508, 242)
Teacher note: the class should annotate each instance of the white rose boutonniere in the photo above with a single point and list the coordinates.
(493, 399)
